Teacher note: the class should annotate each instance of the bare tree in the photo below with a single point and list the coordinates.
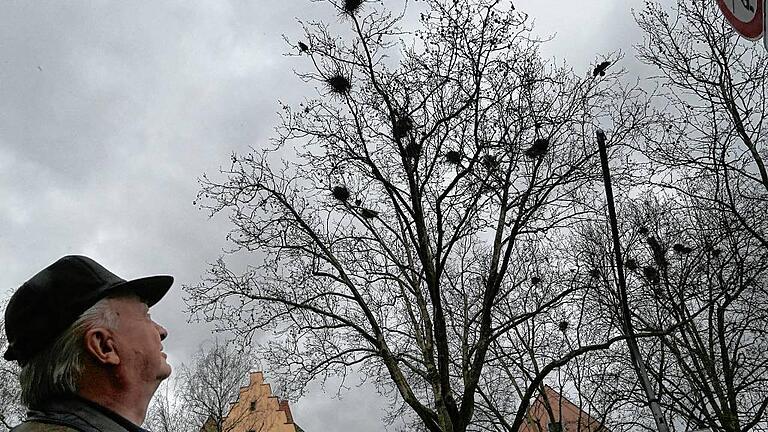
(211, 384)
(167, 411)
(699, 278)
(715, 106)
(396, 240)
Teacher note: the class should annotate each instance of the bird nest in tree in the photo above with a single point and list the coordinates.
(453, 157)
(412, 150)
(341, 193)
(651, 274)
(339, 84)
(402, 126)
(631, 264)
(490, 162)
(538, 149)
(682, 249)
(351, 7)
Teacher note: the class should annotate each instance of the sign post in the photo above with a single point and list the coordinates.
(747, 17)
(765, 22)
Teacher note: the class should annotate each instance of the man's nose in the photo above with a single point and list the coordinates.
(162, 331)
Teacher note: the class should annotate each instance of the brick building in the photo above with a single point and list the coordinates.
(553, 412)
(256, 410)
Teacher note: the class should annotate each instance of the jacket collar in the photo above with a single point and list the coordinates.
(82, 414)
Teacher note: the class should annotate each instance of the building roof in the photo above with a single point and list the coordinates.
(553, 405)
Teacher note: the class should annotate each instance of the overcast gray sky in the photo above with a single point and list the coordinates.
(109, 111)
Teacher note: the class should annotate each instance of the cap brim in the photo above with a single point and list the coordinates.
(151, 289)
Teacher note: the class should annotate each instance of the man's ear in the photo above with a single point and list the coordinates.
(101, 346)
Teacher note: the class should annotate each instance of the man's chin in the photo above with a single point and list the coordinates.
(165, 371)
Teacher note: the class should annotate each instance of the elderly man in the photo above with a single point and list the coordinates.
(91, 356)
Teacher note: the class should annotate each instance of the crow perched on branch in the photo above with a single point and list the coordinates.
(368, 213)
(600, 68)
(303, 47)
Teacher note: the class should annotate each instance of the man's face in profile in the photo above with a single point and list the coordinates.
(138, 342)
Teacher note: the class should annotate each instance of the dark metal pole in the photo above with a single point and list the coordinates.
(629, 331)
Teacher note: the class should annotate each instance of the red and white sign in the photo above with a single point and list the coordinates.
(746, 16)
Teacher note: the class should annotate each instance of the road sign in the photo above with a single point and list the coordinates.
(746, 16)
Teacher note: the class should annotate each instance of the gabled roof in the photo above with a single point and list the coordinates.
(572, 417)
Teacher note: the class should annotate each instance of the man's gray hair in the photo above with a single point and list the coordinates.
(56, 370)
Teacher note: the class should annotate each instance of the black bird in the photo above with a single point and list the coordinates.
(535, 280)
(682, 249)
(368, 213)
(303, 47)
(600, 68)
(538, 149)
(341, 193)
(563, 326)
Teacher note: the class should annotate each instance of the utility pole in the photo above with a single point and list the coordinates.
(629, 331)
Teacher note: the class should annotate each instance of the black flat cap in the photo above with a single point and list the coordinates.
(46, 305)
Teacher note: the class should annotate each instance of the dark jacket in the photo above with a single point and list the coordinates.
(74, 414)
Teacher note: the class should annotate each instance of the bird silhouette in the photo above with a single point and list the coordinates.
(303, 47)
(600, 68)
(368, 213)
